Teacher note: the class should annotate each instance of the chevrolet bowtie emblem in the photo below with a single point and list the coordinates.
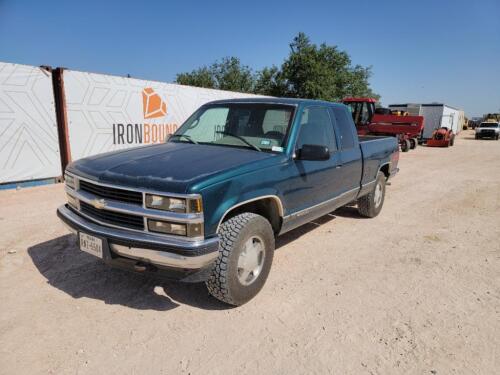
(98, 203)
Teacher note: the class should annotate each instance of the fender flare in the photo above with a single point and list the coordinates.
(281, 210)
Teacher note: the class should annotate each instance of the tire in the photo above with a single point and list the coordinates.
(477, 136)
(405, 145)
(227, 281)
(497, 136)
(371, 204)
(452, 140)
(413, 143)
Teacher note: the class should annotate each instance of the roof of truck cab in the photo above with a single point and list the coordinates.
(271, 100)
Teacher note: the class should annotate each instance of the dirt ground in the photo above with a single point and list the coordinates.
(414, 291)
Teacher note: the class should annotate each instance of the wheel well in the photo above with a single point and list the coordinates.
(385, 170)
(266, 207)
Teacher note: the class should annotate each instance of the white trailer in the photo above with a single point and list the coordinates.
(49, 117)
(436, 115)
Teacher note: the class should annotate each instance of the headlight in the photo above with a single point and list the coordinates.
(183, 205)
(69, 180)
(72, 201)
(167, 228)
(179, 229)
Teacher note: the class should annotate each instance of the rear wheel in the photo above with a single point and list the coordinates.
(371, 204)
(452, 140)
(245, 257)
(405, 145)
(413, 143)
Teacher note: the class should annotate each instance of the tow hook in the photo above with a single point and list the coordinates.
(140, 266)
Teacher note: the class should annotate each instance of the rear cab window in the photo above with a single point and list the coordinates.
(344, 123)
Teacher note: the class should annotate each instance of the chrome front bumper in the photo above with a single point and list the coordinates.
(146, 247)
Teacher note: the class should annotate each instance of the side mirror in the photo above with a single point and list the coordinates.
(313, 152)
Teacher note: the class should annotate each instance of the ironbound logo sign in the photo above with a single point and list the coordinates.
(154, 108)
(152, 105)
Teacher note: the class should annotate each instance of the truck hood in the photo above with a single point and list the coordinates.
(169, 167)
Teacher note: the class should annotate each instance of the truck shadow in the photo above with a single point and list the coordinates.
(349, 211)
(81, 275)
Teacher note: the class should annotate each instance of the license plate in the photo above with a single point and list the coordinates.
(91, 244)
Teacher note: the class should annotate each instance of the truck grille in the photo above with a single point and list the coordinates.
(488, 133)
(112, 217)
(121, 195)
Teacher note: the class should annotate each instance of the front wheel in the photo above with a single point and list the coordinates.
(371, 204)
(245, 256)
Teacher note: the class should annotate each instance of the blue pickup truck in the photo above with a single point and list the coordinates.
(207, 204)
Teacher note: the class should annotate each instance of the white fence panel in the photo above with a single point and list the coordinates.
(29, 147)
(107, 113)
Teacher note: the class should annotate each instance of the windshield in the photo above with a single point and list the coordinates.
(489, 125)
(256, 126)
(360, 112)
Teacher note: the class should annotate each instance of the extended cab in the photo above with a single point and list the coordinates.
(208, 204)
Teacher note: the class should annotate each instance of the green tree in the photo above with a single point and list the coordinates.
(230, 75)
(227, 74)
(322, 72)
(310, 71)
(358, 84)
(201, 77)
(270, 81)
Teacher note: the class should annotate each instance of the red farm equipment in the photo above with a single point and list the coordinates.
(383, 121)
(442, 137)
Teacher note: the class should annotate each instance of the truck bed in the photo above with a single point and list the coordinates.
(372, 156)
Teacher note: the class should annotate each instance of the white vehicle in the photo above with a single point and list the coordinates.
(488, 129)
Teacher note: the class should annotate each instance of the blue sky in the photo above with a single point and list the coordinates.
(420, 51)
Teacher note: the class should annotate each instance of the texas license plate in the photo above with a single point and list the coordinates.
(91, 244)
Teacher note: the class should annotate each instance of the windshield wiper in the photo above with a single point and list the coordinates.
(185, 136)
(240, 138)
